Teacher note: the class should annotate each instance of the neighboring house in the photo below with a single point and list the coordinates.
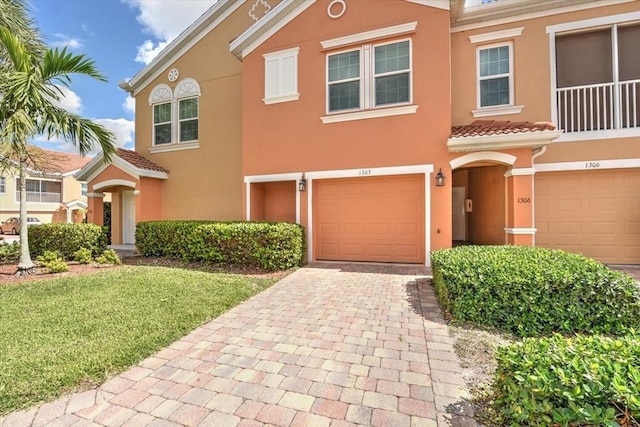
(52, 196)
(392, 128)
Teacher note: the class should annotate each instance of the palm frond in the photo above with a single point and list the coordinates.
(59, 64)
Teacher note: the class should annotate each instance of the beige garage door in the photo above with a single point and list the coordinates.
(370, 219)
(595, 212)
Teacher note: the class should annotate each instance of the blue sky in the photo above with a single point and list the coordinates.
(121, 36)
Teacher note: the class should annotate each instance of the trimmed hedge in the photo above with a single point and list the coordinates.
(269, 246)
(532, 291)
(584, 380)
(66, 239)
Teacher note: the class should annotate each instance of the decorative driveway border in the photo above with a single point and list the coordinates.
(333, 344)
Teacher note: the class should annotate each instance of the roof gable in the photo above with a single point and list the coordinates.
(128, 161)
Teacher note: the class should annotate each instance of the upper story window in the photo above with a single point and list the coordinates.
(495, 75)
(368, 77)
(281, 76)
(175, 113)
(83, 188)
(41, 191)
(3, 185)
(598, 79)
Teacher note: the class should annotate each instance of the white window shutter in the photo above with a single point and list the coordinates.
(289, 75)
(272, 78)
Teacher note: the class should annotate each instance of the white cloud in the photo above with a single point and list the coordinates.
(129, 105)
(64, 40)
(165, 20)
(123, 129)
(69, 100)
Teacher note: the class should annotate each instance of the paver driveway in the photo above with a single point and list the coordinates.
(331, 344)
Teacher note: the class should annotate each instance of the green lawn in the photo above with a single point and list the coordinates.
(66, 334)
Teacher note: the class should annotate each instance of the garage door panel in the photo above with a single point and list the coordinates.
(379, 219)
(591, 212)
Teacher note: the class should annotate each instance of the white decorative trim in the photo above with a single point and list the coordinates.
(594, 22)
(519, 172)
(254, 179)
(176, 146)
(136, 192)
(488, 22)
(597, 134)
(76, 204)
(252, 11)
(497, 110)
(96, 166)
(114, 183)
(483, 156)
(173, 75)
(590, 165)
(520, 230)
(280, 99)
(384, 171)
(369, 114)
(160, 94)
(395, 30)
(267, 27)
(187, 87)
(339, 14)
(98, 195)
(502, 142)
(438, 4)
(496, 35)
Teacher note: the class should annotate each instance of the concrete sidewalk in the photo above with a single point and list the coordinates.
(333, 344)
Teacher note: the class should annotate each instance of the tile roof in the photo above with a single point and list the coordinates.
(138, 161)
(494, 127)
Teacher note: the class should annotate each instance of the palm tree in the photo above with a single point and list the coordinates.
(30, 76)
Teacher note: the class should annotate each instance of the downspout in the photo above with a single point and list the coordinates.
(536, 153)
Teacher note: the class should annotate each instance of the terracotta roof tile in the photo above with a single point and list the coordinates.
(138, 161)
(494, 127)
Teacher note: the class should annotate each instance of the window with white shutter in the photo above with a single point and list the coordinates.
(281, 76)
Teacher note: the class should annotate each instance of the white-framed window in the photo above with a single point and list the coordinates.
(175, 113)
(3, 185)
(495, 75)
(41, 191)
(281, 76)
(370, 76)
(83, 188)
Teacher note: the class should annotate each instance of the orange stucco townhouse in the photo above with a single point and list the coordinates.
(390, 128)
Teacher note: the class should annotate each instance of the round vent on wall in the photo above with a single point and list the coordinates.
(336, 8)
(173, 74)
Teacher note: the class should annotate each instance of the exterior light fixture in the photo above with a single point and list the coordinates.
(440, 179)
(302, 184)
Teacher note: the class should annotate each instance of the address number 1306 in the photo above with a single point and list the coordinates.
(364, 172)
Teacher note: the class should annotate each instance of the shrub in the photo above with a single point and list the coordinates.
(9, 253)
(109, 256)
(83, 256)
(53, 262)
(67, 239)
(531, 291)
(269, 246)
(584, 380)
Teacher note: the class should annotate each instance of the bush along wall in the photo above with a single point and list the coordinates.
(532, 291)
(66, 239)
(269, 246)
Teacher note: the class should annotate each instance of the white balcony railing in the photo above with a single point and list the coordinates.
(39, 197)
(605, 106)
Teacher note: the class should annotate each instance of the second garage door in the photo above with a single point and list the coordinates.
(595, 212)
(370, 219)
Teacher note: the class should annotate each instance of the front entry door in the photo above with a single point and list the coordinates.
(128, 218)
(459, 216)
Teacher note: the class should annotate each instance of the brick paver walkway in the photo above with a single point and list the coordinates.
(330, 345)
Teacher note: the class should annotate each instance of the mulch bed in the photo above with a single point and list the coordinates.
(7, 271)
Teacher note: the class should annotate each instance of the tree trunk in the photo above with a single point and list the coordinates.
(25, 265)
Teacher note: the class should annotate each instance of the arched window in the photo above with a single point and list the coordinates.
(161, 101)
(175, 112)
(187, 93)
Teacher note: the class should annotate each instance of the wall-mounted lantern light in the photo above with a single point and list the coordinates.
(440, 179)
(302, 184)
